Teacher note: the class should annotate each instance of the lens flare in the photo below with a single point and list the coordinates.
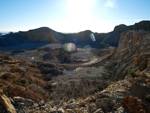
(71, 47)
(92, 37)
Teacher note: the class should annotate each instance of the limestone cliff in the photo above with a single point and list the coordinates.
(114, 36)
(133, 53)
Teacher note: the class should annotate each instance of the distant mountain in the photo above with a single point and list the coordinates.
(45, 34)
(3, 33)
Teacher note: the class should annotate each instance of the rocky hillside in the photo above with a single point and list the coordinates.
(40, 35)
(45, 34)
(25, 78)
(132, 55)
(126, 88)
(120, 83)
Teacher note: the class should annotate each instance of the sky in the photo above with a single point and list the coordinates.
(70, 16)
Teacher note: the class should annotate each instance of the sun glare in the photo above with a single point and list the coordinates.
(80, 16)
(79, 8)
(79, 12)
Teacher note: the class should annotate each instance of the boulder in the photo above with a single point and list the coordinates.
(41, 103)
(5, 101)
(69, 111)
(99, 111)
(91, 108)
(27, 102)
(61, 110)
(53, 110)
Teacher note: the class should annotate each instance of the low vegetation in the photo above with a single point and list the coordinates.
(134, 105)
(26, 79)
(64, 56)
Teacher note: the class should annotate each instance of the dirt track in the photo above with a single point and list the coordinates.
(93, 61)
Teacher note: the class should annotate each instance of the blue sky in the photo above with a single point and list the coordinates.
(71, 15)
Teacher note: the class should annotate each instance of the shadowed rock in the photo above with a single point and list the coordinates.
(5, 101)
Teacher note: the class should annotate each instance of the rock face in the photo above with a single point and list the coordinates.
(5, 101)
(45, 34)
(132, 53)
(114, 36)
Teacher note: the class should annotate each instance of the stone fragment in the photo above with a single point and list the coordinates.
(5, 101)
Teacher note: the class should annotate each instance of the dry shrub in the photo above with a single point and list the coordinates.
(141, 61)
(7, 75)
(48, 68)
(64, 56)
(17, 69)
(1, 91)
(139, 74)
(48, 86)
(134, 105)
(6, 57)
(48, 56)
(1, 84)
(79, 99)
(143, 74)
(14, 61)
(17, 90)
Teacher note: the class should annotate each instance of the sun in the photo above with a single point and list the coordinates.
(79, 7)
(79, 10)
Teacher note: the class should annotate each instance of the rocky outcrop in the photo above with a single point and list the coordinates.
(5, 101)
(64, 56)
(132, 53)
(124, 95)
(114, 36)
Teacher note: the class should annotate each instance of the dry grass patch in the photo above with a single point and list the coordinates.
(15, 68)
(16, 90)
(6, 57)
(134, 105)
(7, 75)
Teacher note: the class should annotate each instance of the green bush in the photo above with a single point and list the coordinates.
(22, 72)
(131, 73)
(23, 81)
(30, 82)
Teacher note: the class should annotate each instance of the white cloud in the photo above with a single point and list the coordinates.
(110, 3)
